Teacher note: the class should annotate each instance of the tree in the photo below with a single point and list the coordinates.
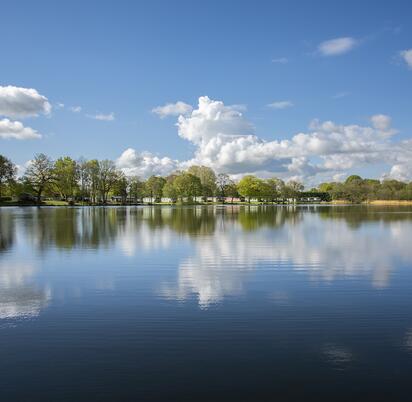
(250, 187)
(353, 178)
(207, 179)
(40, 174)
(187, 185)
(231, 190)
(121, 187)
(93, 176)
(67, 174)
(136, 188)
(7, 172)
(83, 178)
(169, 189)
(154, 187)
(274, 188)
(108, 175)
(222, 182)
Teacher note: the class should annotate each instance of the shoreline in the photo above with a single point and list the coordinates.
(332, 203)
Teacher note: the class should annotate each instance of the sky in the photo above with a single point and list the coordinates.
(312, 91)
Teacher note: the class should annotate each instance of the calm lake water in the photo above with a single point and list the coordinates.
(206, 303)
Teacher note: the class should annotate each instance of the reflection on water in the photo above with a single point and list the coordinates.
(232, 286)
(19, 298)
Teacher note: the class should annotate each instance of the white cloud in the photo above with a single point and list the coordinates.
(76, 109)
(407, 57)
(102, 117)
(280, 104)
(172, 109)
(145, 164)
(16, 130)
(334, 47)
(381, 122)
(224, 140)
(280, 60)
(22, 102)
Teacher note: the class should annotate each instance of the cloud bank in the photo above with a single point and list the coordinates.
(224, 140)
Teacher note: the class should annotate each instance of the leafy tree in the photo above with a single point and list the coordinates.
(353, 178)
(93, 177)
(250, 187)
(136, 188)
(207, 179)
(83, 178)
(273, 188)
(121, 187)
(231, 190)
(187, 185)
(108, 176)
(40, 174)
(66, 176)
(154, 187)
(7, 172)
(169, 189)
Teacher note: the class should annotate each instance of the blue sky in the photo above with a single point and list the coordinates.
(124, 58)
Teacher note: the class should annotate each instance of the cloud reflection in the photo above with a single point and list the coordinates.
(326, 250)
(18, 297)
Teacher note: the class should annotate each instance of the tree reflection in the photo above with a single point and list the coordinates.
(7, 230)
(100, 227)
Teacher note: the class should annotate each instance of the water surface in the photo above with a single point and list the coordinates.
(206, 303)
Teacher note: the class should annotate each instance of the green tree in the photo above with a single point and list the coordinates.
(7, 173)
(274, 187)
(136, 188)
(250, 187)
(66, 176)
(154, 187)
(207, 179)
(187, 185)
(121, 187)
(83, 178)
(40, 174)
(93, 176)
(353, 178)
(108, 176)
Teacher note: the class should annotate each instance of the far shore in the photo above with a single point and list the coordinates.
(334, 202)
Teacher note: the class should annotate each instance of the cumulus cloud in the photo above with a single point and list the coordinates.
(102, 116)
(16, 130)
(75, 109)
(407, 57)
(335, 47)
(224, 140)
(22, 102)
(172, 109)
(280, 104)
(145, 164)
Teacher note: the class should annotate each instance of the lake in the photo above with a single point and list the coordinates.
(230, 303)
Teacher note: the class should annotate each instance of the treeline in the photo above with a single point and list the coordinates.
(100, 182)
(356, 190)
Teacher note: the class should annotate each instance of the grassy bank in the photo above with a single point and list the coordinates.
(389, 202)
